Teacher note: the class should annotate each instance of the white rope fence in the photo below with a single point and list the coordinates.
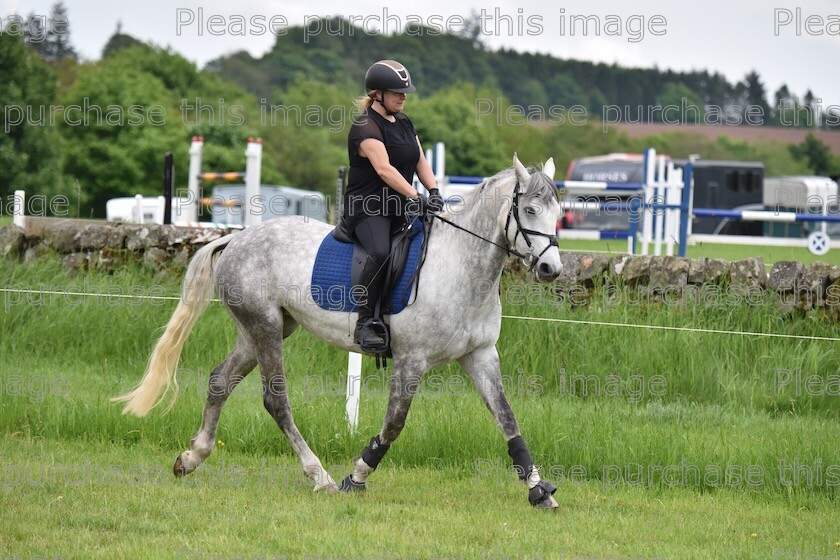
(354, 365)
(513, 317)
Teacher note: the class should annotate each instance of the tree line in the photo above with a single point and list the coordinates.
(97, 130)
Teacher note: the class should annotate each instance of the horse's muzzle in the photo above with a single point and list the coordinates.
(546, 272)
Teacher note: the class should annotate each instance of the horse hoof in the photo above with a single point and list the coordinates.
(330, 488)
(541, 496)
(350, 485)
(548, 503)
(178, 468)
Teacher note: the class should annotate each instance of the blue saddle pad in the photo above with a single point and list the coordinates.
(331, 287)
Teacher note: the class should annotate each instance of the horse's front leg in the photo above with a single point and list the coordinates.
(404, 384)
(483, 367)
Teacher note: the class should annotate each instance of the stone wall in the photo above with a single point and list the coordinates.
(102, 246)
(793, 285)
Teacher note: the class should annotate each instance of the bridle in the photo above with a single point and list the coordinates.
(529, 259)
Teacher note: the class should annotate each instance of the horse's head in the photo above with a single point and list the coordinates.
(531, 227)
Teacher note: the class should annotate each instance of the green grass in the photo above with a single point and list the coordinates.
(750, 441)
(81, 500)
(5, 220)
(729, 252)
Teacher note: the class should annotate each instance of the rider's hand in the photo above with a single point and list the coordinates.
(435, 201)
(416, 206)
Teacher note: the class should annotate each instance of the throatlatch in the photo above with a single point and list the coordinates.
(524, 465)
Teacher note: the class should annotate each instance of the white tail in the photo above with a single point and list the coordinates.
(160, 378)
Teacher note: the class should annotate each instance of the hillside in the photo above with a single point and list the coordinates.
(779, 134)
(525, 79)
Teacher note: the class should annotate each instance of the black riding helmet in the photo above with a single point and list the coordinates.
(388, 75)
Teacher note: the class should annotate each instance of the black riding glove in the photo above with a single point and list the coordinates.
(435, 201)
(416, 207)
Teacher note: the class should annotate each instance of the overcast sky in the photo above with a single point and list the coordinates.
(729, 36)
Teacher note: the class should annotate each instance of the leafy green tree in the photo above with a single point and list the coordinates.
(29, 146)
(562, 89)
(816, 154)
(680, 95)
(58, 45)
(108, 154)
(35, 31)
(118, 41)
(754, 94)
(141, 103)
(474, 145)
(305, 131)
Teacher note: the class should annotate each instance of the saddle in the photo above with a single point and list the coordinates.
(339, 264)
(400, 245)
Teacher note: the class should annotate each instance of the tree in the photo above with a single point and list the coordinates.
(118, 41)
(815, 153)
(472, 30)
(562, 89)
(35, 34)
(679, 95)
(58, 35)
(29, 146)
(754, 95)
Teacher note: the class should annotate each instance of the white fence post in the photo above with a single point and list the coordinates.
(648, 193)
(138, 207)
(440, 163)
(189, 213)
(19, 211)
(354, 388)
(253, 164)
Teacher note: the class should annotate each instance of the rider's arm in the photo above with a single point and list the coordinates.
(375, 151)
(424, 170)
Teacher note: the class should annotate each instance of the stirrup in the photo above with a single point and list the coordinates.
(379, 329)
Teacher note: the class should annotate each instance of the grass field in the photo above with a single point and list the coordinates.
(662, 443)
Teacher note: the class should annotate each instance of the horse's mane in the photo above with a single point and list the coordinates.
(539, 187)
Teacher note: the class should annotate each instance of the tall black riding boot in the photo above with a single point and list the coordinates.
(371, 281)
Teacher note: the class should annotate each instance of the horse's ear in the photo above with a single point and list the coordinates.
(548, 168)
(521, 173)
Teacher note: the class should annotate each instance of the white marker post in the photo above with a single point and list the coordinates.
(190, 213)
(354, 388)
(138, 207)
(19, 213)
(253, 157)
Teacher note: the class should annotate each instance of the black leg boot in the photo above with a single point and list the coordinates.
(371, 281)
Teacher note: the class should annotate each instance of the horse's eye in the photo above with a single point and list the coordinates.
(530, 211)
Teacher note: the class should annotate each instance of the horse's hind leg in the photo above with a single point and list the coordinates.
(276, 399)
(223, 380)
(485, 370)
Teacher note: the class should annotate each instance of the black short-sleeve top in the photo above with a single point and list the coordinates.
(367, 194)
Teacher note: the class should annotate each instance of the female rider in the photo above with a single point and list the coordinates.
(385, 153)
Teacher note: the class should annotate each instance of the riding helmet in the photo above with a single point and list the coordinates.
(388, 75)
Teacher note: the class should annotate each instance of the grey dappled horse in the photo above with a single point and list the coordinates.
(263, 274)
